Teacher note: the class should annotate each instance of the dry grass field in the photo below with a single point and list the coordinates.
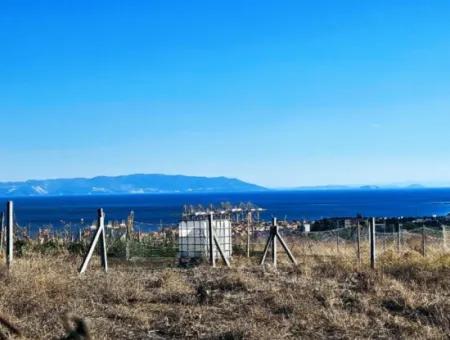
(407, 297)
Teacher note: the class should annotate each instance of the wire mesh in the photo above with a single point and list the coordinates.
(343, 243)
(151, 242)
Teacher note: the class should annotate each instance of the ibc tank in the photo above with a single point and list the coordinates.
(193, 238)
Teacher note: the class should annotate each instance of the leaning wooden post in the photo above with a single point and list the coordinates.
(274, 231)
(373, 244)
(399, 237)
(222, 254)
(358, 239)
(100, 233)
(214, 244)
(286, 248)
(423, 241)
(212, 257)
(266, 248)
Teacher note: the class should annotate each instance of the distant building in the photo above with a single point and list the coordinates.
(305, 228)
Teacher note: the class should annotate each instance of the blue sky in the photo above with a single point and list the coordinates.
(280, 93)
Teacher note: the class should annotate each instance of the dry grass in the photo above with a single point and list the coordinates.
(408, 297)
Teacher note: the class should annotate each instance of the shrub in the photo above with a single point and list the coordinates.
(50, 247)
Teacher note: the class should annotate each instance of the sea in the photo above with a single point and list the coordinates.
(156, 210)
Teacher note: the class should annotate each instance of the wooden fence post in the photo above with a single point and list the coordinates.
(103, 250)
(127, 248)
(130, 222)
(249, 216)
(274, 241)
(337, 238)
(212, 257)
(273, 236)
(399, 237)
(2, 231)
(358, 240)
(423, 241)
(444, 237)
(373, 244)
(10, 234)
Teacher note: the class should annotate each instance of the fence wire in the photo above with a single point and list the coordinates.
(150, 242)
(343, 243)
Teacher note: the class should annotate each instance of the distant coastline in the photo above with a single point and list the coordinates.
(167, 184)
(129, 184)
(153, 210)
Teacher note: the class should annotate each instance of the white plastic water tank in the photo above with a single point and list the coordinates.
(193, 238)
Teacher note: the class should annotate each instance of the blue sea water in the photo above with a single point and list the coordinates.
(151, 210)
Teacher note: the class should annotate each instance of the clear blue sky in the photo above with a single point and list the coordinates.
(281, 93)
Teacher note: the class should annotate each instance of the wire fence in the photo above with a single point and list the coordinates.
(352, 244)
(161, 245)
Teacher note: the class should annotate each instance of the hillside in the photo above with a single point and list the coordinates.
(131, 184)
(406, 298)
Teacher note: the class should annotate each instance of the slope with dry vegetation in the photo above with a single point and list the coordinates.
(407, 297)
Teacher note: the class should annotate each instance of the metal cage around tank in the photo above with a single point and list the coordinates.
(193, 239)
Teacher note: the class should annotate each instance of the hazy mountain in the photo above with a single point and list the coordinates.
(363, 187)
(369, 187)
(319, 187)
(416, 186)
(131, 184)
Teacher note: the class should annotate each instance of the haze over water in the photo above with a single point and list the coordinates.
(151, 210)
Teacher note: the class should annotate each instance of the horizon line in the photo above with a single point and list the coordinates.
(372, 186)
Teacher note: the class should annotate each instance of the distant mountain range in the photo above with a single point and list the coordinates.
(131, 184)
(158, 183)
